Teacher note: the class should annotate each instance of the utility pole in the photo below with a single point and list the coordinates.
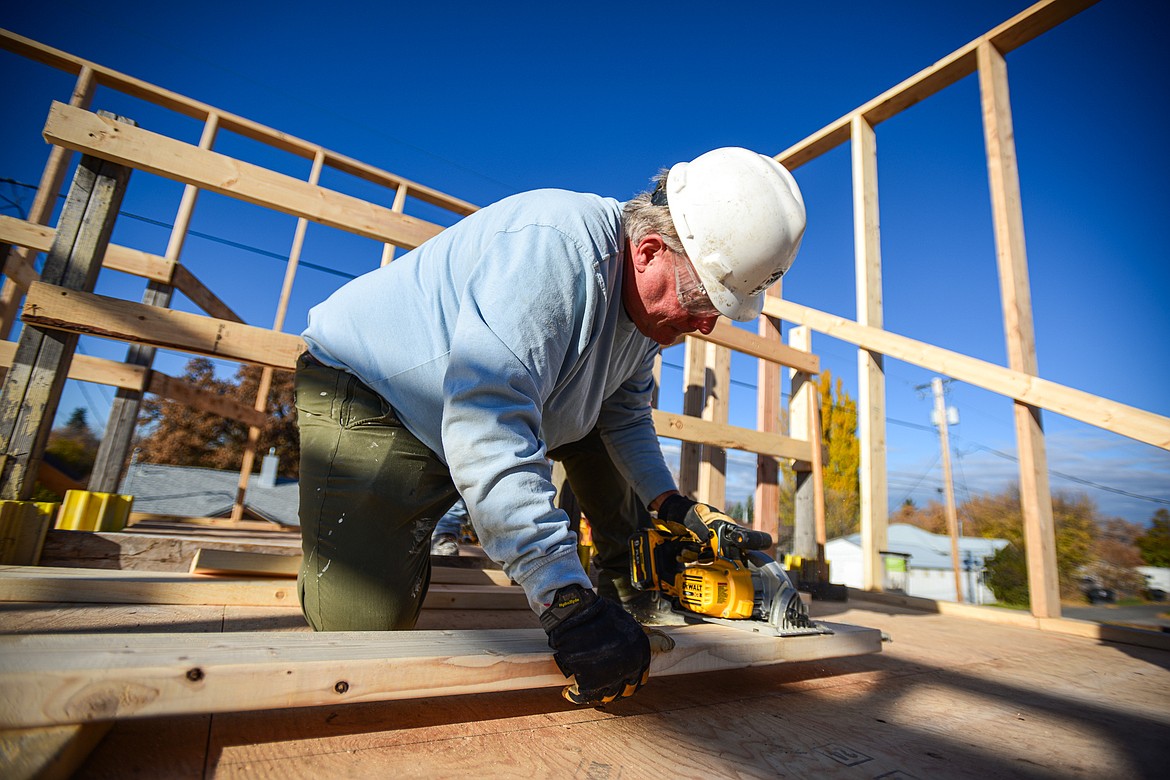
(940, 412)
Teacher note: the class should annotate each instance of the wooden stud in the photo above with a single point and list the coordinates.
(694, 401)
(265, 384)
(33, 385)
(18, 267)
(871, 400)
(713, 464)
(48, 752)
(768, 420)
(800, 416)
(1008, 219)
(727, 335)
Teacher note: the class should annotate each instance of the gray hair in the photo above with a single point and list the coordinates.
(640, 218)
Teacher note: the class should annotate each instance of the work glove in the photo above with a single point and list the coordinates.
(598, 642)
(705, 521)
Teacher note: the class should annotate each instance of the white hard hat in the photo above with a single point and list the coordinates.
(740, 217)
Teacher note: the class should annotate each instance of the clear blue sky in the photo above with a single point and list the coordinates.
(484, 100)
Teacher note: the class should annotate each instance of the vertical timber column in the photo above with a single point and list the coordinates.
(32, 388)
(768, 408)
(871, 378)
(800, 410)
(399, 206)
(1008, 216)
(123, 420)
(694, 401)
(41, 210)
(713, 464)
(261, 404)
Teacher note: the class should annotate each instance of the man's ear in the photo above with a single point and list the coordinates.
(646, 250)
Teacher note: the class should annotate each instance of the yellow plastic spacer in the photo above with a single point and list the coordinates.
(86, 510)
(23, 525)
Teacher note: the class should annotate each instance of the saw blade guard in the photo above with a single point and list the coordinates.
(777, 600)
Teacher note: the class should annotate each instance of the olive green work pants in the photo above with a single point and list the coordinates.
(371, 493)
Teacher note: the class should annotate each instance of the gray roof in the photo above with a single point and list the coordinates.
(933, 551)
(186, 491)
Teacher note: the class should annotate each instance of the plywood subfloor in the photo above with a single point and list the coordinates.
(949, 697)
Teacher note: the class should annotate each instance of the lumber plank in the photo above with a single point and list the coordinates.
(185, 393)
(117, 258)
(87, 368)
(110, 586)
(135, 551)
(54, 679)
(186, 106)
(84, 131)
(218, 562)
(1126, 420)
(727, 335)
(50, 306)
(693, 429)
(1015, 32)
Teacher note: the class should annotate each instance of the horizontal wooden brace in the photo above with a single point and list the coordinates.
(78, 678)
(86, 132)
(727, 335)
(1015, 32)
(1087, 408)
(186, 106)
(118, 258)
(693, 429)
(48, 306)
(86, 368)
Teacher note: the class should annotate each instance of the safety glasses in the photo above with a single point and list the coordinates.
(692, 296)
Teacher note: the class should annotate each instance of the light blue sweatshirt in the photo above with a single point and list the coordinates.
(496, 341)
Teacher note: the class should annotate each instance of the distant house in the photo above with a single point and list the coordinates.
(918, 563)
(186, 491)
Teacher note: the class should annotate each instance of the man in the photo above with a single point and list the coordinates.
(526, 331)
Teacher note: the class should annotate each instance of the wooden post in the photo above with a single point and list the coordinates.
(768, 411)
(261, 405)
(804, 539)
(399, 206)
(114, 450)
(33, 386)
(694, 401)
(940, 411)
(42, 207)
(1008, 217)
(713, 464)
(871, 378)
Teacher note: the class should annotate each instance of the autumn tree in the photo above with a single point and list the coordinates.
(1155, 542)
(71, 449)
(176, 434)
(842, 464)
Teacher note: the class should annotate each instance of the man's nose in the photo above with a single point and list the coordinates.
(704, 324)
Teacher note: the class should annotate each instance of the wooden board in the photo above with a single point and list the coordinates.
(693, 429)
(109, 586)
(50, 306)
(60, 679)
(1112, 416)
(80, 130)
(213, 562)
